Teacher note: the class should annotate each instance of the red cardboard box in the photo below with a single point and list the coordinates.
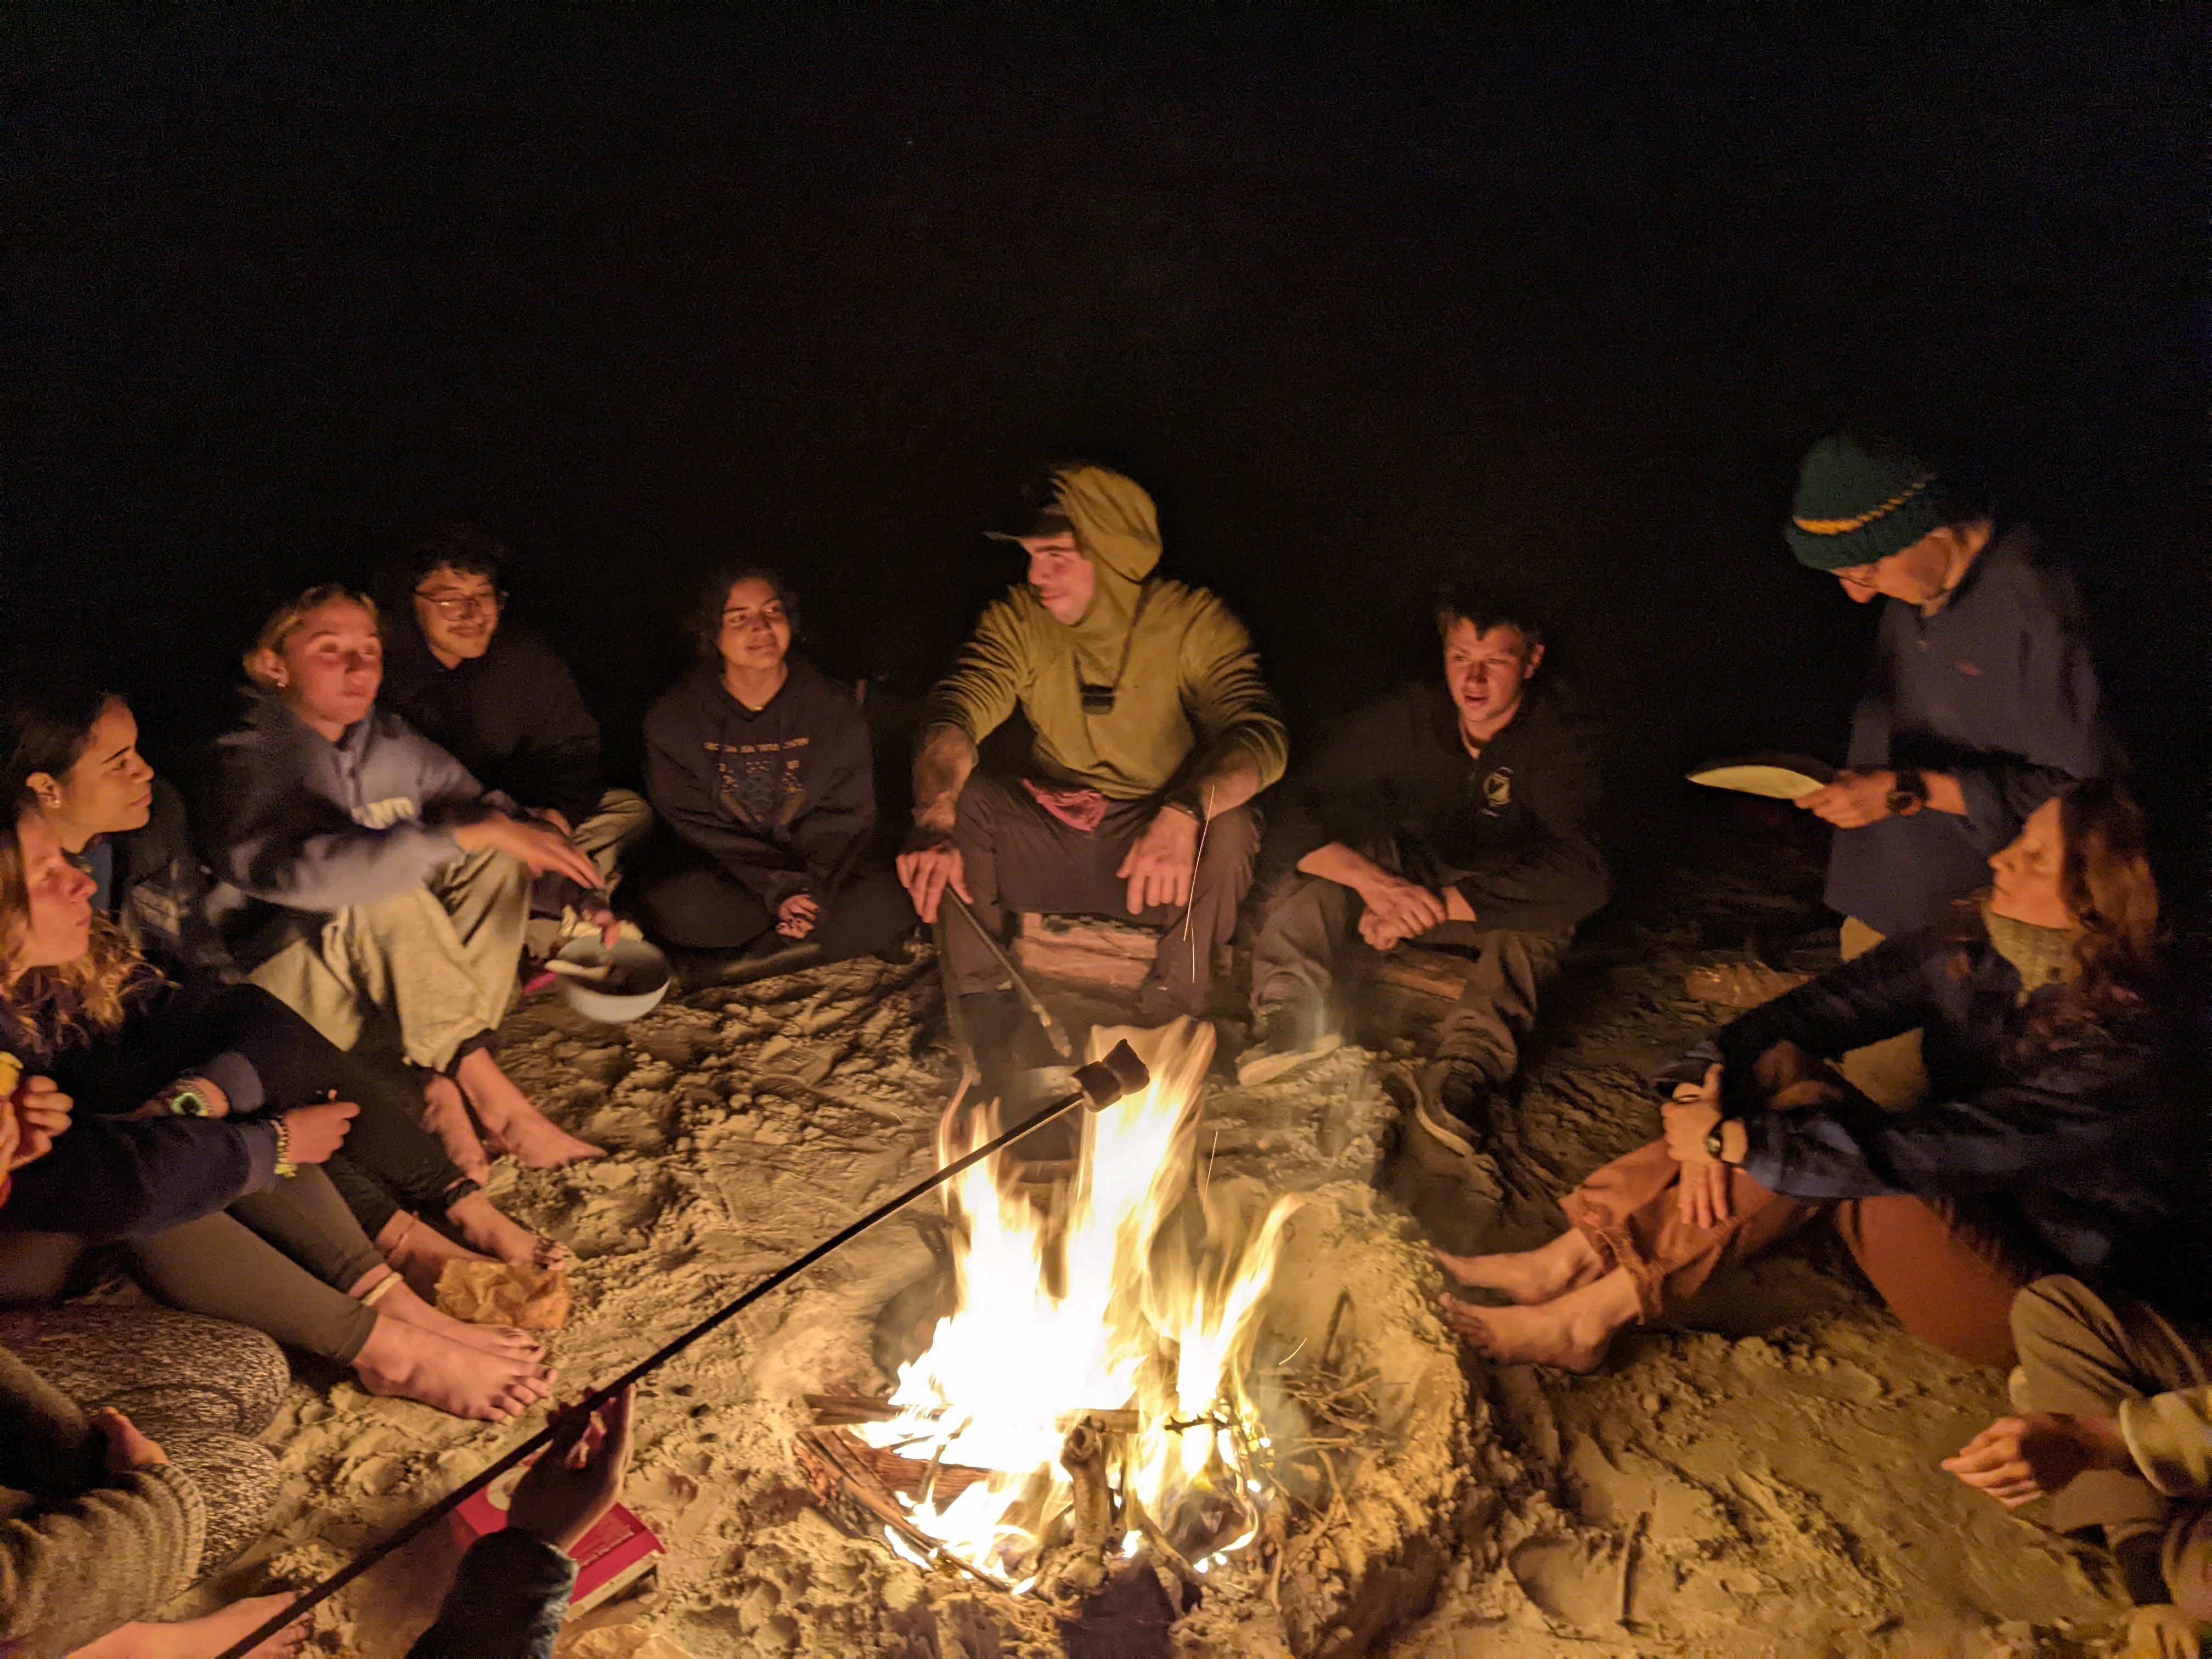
(610, 1558)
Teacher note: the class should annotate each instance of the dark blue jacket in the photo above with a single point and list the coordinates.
(2098, 1162)
(1995, 689)
(151, 885)
(114, 1177)
(509, 1596)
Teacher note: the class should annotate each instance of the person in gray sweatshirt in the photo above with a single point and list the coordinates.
(366, 879)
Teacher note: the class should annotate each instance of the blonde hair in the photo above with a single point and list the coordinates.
(285, 620)
(52, 1005)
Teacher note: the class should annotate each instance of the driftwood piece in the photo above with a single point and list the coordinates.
(1409, 970)
(847, 1480)
(1093, 954)
(1090, 1515)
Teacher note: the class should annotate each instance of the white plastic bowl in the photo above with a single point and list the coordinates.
(641, 978)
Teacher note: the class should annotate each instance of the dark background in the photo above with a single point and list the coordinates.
(1364, 300)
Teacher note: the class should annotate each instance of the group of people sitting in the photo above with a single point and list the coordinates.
(258, 1037)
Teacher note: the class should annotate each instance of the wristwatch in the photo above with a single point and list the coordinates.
(285, 1168)
(1910, 792)
(186, 1101)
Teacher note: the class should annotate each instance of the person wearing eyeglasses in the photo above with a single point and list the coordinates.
(1980, 705)
(1153, 729)
(494, 695)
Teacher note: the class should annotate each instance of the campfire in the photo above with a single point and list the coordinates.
(1092, 1396)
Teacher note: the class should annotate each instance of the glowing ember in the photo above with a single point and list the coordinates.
(1088, 1309)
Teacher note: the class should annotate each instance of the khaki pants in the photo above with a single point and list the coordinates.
(2083, 1353)
(1890, 1072)
(437, 961)
(611, 834)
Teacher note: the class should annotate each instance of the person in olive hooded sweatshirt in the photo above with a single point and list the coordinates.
(1153, 729)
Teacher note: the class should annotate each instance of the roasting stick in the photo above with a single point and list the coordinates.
(1053, 1030)
(1098, 1085)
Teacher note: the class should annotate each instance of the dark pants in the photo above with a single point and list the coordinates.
(1018, 857)
(682, 897)
(389, 1162)
(280, 1262)
(1306, 923)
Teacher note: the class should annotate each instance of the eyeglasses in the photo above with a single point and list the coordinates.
(452, 605)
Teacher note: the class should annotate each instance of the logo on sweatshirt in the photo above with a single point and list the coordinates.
(758, 782)
(383, 814)
(1498, 789)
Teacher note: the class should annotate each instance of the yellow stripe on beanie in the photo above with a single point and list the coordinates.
(1845, 526)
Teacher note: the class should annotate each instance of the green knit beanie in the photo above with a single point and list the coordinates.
(1859, 501)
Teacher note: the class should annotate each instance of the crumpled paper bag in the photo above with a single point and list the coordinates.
(495, 1293)
(623, 1642)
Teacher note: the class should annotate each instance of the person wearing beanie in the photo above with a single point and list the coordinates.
(1152, 730)
(1981, 703)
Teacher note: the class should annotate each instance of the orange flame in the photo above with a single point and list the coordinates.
(1093, 1310)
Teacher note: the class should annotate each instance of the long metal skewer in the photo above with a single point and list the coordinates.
(1053, 1030)
(1097, 1086)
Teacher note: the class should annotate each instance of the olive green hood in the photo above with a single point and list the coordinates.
(1119, 531)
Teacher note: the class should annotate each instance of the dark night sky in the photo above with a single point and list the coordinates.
(1364, 301)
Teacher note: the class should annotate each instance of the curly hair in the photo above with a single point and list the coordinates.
(2105, 878)
(51, 1006)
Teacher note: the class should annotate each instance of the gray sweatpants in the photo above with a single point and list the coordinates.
(1018, 857)
(1307, 922)
(437, 961)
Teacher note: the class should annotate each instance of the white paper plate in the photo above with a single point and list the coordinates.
(1778, 777)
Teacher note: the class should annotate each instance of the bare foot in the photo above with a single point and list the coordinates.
(1572, 1332)
(420, 1252)
(402, 1304)
(409, 1362)
(513, 1124)
(204, 1637)
(445, 1114)
(1567, 1263)
(501, 1236)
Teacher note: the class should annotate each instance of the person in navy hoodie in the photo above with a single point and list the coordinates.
(759, 769)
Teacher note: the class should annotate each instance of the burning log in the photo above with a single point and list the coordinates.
(835, 1410)
(1090, 1512)
(843, 1474)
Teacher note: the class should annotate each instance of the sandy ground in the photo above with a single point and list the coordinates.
(1756, 1477)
